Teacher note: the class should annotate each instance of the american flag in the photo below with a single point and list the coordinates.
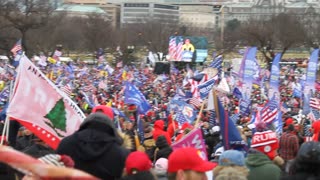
(172, 47)
(119, 64)
(178, 55)
(194, 85)
(314, 103)
(17, 48)
(306, 130)
(66, 89)
(314, 114)
(102, 85)
(56, 54)
(270, 111)
(180, 118)
(217, 63)
(212, 118)
(284, 108)
(88, 88)
(194, 101)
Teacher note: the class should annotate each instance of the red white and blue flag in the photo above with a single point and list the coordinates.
(270, 111)
(17, 48)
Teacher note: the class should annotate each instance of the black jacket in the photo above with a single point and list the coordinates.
(96, 148)
(164, 150)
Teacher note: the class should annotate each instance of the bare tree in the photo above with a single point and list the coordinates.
(24, 15)
(279, 33)
(97, 32)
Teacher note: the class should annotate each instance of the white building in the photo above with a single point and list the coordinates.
(200, 16)
(142, 12)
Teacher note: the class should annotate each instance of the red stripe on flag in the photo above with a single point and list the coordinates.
(47, 137)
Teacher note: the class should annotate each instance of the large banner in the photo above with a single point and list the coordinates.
(188, 48)
(274, 79)
(193, 139)
(41, 107)
(309, 87)
(249, 72)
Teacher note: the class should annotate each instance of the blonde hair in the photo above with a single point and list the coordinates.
(230, 171)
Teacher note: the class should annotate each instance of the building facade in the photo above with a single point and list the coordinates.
(200, 16)
(142, 12)
(112, 10)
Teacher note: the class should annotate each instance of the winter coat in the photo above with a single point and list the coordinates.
(96, 148)
(23, 142)
(164, 150)
(38, 150)
(158, 131)
(261, 167)
(300, 176)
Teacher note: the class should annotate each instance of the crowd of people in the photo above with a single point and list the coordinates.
(108, 146)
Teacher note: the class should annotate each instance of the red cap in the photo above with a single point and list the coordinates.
(188, 159)
(138, 161)
(105, 110)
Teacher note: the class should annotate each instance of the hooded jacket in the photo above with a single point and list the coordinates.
(261, 167)
(164, 150)
(158, 131)
(96, 148)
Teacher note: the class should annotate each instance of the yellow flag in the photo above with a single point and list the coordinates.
(51, 60)
(124, 75)
(109, 104)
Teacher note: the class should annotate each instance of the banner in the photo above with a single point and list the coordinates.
(41, 107)
(245, 107)
(309, 87)
(205, 88)
(249, 71)
(132, 95)
(274, 79)
(193, 139)
(188, 48)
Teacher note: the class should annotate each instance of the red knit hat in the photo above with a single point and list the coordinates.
(105, 110)
(266, 142)
(137, 161)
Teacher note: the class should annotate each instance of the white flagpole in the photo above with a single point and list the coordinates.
(5, 131)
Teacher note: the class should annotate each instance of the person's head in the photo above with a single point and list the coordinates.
(266, 142)
(100, 123)
(128, 125)
(161, 165)
(308, 159)
(290, 128)
(186, 164)
(231, 161)
(137, 162)
(105, 110)
(231, 158)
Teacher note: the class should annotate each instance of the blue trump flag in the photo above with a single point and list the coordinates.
(237, 93)
(133, 96)
(245, 107)
(309, 88)
(230, 135)
(274, 78)
(206, 87)
(249, 71)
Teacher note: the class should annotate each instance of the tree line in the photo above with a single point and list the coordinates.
(41, 29)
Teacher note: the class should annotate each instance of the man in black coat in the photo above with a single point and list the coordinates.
(96, 147)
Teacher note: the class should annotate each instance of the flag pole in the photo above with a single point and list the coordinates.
(199, 115)
(215, 102)
(5, 131)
